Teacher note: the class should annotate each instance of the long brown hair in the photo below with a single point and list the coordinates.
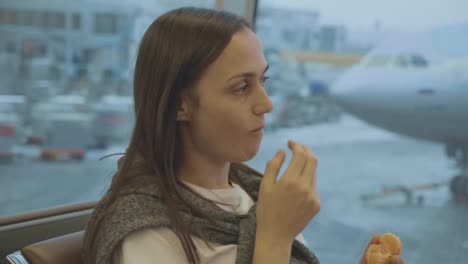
(174, 53)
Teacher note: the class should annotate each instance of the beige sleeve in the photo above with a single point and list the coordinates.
(158, 245)
(161, 245)
(301, 239)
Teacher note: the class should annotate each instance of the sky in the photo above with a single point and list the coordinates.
(413, 15)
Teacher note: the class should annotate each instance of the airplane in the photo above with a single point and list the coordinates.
(415, 85)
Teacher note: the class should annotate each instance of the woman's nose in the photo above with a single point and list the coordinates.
(264, 104)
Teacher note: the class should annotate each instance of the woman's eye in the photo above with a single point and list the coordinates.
(265, 78)
(242, 89)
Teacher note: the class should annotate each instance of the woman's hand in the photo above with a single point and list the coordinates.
(286, 206)
(375, 240)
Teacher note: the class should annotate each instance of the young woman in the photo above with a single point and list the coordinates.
(181, 193)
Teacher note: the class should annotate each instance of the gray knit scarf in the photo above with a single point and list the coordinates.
(138, 205)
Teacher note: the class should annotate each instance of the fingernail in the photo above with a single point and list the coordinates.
(280, 153)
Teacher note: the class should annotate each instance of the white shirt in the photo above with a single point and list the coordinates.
(161, 245)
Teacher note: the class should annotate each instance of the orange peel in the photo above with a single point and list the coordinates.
(389, 245)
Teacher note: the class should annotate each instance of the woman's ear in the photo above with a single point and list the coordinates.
(183, 111)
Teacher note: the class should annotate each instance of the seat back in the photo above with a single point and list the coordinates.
(63, 249)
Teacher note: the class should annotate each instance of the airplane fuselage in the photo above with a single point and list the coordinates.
(421, 103)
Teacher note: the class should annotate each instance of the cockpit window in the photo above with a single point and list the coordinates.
(418, 61)
(410, 60)
(378, 60)
(401, 61)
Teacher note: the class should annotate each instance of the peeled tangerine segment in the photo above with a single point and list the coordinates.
(381, 253)
(391, 243)
(375, 255)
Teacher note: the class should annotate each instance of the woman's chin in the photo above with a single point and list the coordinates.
(246, 155)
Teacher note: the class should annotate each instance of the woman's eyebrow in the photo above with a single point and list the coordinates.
(248, 74)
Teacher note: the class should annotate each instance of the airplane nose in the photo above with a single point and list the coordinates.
(345, 92)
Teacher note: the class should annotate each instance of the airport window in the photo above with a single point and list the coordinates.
(381, 168)
(418, 61)
(105, 23)
(38, 18)
(2, 16)
(54, 20)
(10, 17)
(76, 21)
(401, 61)
(25, 18)
(10, 47)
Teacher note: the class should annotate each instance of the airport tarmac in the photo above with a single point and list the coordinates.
(354, 159)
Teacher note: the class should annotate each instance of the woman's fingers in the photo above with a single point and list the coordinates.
(298, 161)
(273, 167)
(374, 240)
(309, 174)
(285, 206)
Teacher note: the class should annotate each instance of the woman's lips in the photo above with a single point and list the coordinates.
(258, 130)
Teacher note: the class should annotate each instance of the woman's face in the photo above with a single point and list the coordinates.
(227, 122)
